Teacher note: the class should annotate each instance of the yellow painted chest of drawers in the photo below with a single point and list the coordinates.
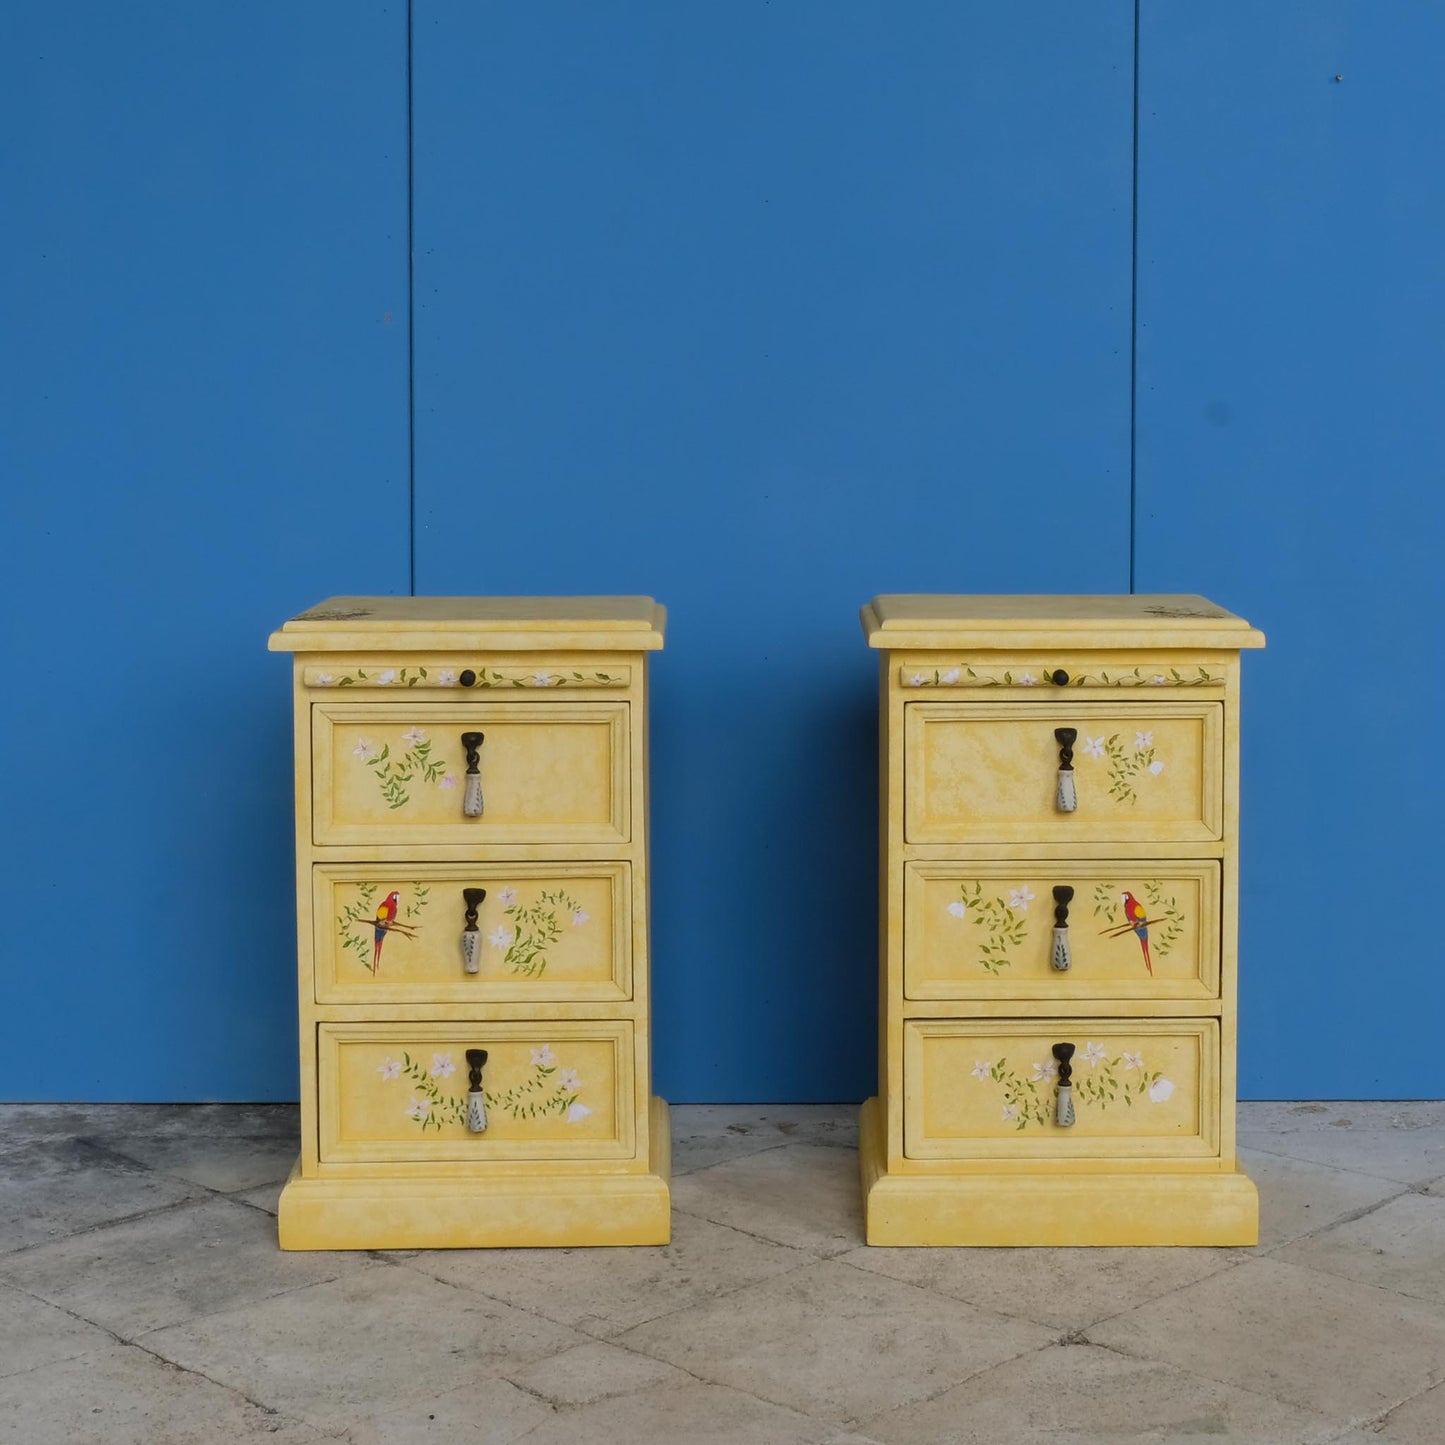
(472, 911)
(1060, 791)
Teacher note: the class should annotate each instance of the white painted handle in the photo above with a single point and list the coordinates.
(476, 1112)
(472, 798)
(1059, 955)
(472, 950)
(1064, 1112)
(1066, 800)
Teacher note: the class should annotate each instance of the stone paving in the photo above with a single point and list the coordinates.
(143, 1299)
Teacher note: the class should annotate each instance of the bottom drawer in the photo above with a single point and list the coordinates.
(986, 1089)
(397, 1092)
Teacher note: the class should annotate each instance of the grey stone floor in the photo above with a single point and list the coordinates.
(142, 1298)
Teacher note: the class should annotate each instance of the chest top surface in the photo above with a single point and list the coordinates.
(1002, 621)
(518, 624)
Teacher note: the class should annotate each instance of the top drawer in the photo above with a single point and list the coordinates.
(988, 772)
(549, 772)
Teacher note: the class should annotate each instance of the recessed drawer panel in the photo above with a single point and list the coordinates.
(986, 1089)
(397, 1092)
(989, 772)
(547, 773)
(1134, 930)
(400, 933)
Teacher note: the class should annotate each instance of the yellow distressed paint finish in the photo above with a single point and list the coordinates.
(964, 1146)
(575, 1148)
(985, 930)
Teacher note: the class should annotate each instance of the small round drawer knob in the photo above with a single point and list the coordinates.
(1059, 677)
(467, 678)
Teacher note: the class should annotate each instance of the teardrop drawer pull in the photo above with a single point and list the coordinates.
(1066, 799)
(471, 934)
(1064, 1110)
(1059, 953)
(472, 798)
(476, 1103)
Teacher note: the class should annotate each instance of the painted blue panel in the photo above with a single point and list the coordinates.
(1291, 454)
(204, 398)
(764, 309)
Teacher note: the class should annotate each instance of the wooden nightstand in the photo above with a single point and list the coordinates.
(471, 871)
(1060, 787)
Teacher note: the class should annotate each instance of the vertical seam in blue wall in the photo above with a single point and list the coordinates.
(1134, 326)
(410, 319)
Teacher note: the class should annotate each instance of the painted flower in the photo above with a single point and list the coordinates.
(442, 1066)
(446, 678)
(501, 937)
(982, 1069)
(1143, 740)
(579, 917)
(1132, 1061)
(576, 1113)
(447, 781)
(1010, 1111)
(1019, 898)
(1157, 680)
(508, 895)
(569, 1081)
(1093, 748)
(365, 749)
(389, 1069)
(1160, 1090)
(917, 679)
(324, 679)
(1047, 1070)
(385, 679)
(413, 736)
(418, 1109)
(542, 679)
(1027, 679)
(1157, 766)
(958, 908)
(543, 1058)
(950, 677)
(1094, 1054)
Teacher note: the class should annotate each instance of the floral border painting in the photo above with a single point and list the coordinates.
(1107, 1083)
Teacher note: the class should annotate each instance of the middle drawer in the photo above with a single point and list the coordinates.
(544, 932)
(986, 930)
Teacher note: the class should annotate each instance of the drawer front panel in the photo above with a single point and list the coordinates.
(550, 772)
(986, 1089)
(397, 1092)
(988, 772)
(986, 930)
(555, 932)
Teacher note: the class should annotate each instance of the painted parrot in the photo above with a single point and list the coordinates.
(1139, 922)
(386, 914)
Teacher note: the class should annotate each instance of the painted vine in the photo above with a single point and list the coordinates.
(395, 773)
(533, 928)
(546, 1091)
(1105, 1084)
(965, 676)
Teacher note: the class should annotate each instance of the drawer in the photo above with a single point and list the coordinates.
(550, 772)
(544, 931)
(985, 930)
(988, 772)
(986, 1089)
(397, 1092)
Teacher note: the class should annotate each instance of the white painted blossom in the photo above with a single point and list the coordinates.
(501, 937)
(389, 1068)
(1133, 1061)
(447, 781)
(544, 1058)
(1047, 1070)
(542, 679)
(569, 1081)
(982, 1069)
(1157, 766)
(917, 679)
(324, 679)
(958, 908)
(1019, 898)
(1143, 740)
(1160, 1090)
(579, 917)
(442, 1066)
(950, 677)
(365, 749)
(1157, 680)
(1010, 1111)
(508, 896)
(1094, 1054)
(414, 735)
(576, 1113)
(446, 678)
(385, 679)
(1027, 680)
(1093, 748)
(418, 1109)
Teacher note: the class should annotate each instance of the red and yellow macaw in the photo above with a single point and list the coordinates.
(385, 916)
(1138, 921)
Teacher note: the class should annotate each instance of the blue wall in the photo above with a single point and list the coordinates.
(763, 309)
